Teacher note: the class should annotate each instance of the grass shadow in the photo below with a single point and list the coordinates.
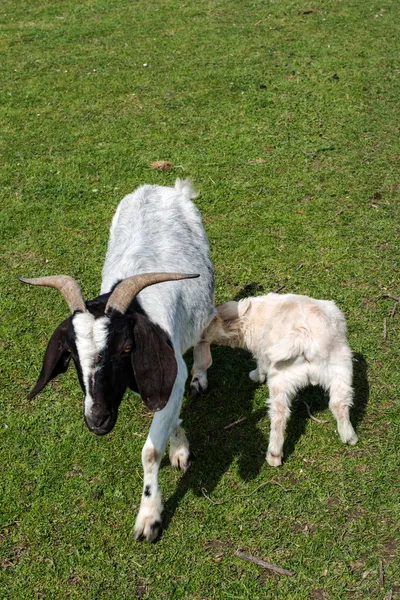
(230, 397)
(251, 289)
(361, 389)
(318, 399)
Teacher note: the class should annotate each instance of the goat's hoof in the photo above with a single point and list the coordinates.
(147, 528)
(195, 391)
(350, 439)
(254, 376)
(197, 387)
(274, 460)
(347, 434)
(180, 459)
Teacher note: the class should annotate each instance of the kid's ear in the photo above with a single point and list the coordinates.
(56, 358)
(153, 362)
(244, 306)
(228, 310)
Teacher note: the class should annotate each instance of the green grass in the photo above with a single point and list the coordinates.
(315, 96)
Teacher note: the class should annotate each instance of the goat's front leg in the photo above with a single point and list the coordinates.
(148, 522)
(201, 362)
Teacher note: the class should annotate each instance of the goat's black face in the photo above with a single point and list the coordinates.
(111, 353)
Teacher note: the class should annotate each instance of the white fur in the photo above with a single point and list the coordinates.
(83, 327)
(296, 341)
(90, 338)
(158, 229)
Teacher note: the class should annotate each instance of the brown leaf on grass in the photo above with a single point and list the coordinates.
(307, 11)
(257, 161)
(319, 594)
(309, 528)
(162, 165)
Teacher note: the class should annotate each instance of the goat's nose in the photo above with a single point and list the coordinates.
(100, 423)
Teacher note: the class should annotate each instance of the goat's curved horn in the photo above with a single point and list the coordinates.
(126, 291)
(66, 285)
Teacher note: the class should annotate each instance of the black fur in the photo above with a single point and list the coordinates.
(56, 358)
(149, 368)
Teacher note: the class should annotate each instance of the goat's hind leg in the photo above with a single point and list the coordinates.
(340, 402)
(201, 362)
(279, 411)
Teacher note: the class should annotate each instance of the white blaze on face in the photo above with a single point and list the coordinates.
(90, 338)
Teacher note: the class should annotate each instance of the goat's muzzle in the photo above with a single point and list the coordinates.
(101, 424)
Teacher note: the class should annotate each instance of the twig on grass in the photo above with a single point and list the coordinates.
(396, 298)
(203, 491)
(390, 595)
(10, 524)
(393, 310)
(384, 330)
(281, 486)
(381, 576)
(136, 563)
(235, 422)
(262, 485)
(263, 563)
(310, 415)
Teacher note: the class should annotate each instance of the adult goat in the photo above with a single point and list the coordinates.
(134, 337)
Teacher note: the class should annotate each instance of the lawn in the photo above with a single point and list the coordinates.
(285, 115)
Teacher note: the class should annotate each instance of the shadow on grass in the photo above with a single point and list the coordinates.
(251, 289)
(318, 399)
(230, 398)
(361, 389)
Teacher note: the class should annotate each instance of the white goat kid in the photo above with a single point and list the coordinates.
(296, 341)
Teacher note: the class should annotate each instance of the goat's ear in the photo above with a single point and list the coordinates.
(244, 307)
(228, 310)
(56, 358)
(154, 363)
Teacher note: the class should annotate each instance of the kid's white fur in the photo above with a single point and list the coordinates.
(296, 341)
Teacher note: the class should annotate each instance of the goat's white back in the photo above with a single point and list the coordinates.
(158, 229)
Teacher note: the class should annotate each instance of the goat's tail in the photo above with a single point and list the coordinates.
(185, 187)
(297, 343)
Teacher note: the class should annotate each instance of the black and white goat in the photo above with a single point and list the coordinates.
(134, 337)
